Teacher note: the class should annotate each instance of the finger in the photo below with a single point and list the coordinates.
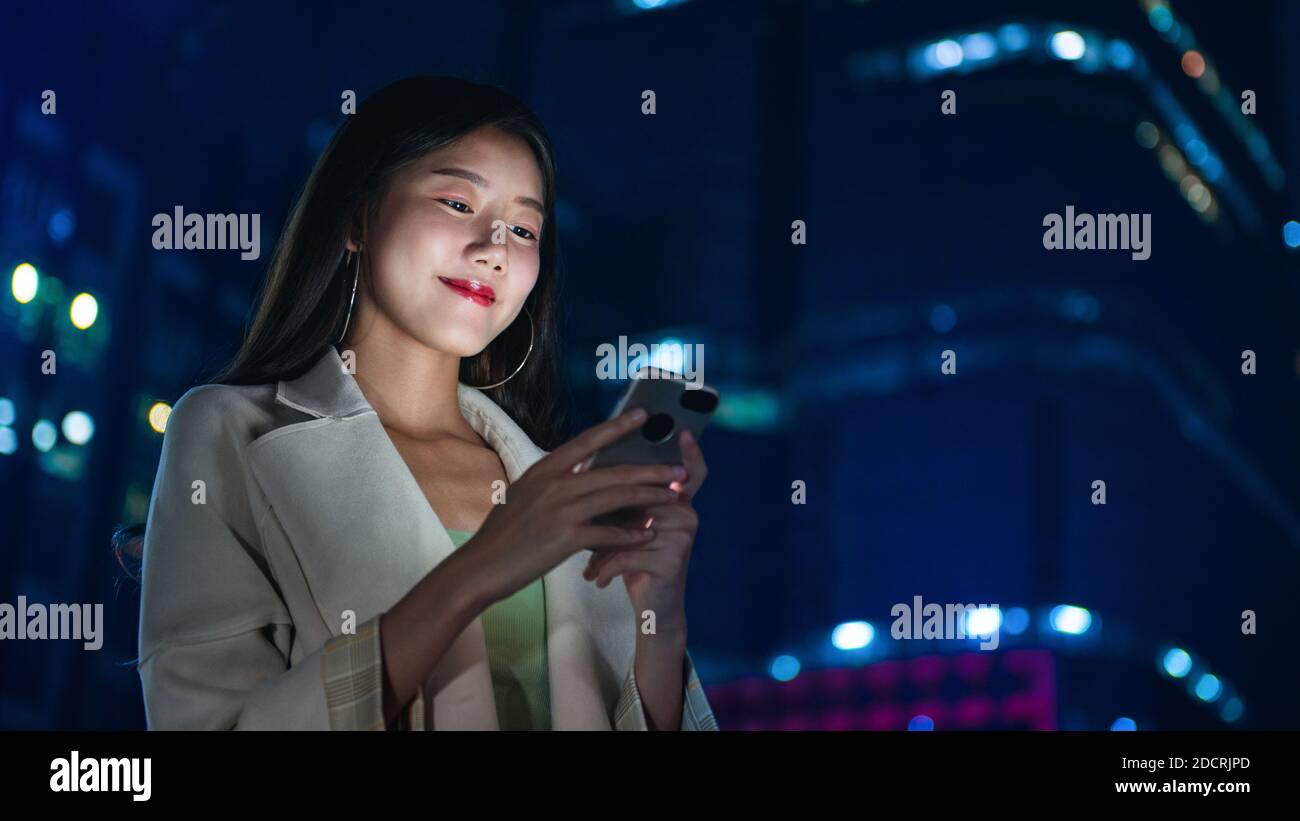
(655, 475)
(605, 537)
(607, 500)
(667, 517)
(598, 560)
(577, 449)
(664, 540)
(629, 561)
(693, 460)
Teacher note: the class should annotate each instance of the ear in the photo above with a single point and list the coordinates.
(357, 233)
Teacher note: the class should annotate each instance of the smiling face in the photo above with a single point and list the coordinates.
(455, 247)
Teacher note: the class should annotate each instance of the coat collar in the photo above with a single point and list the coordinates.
(363, 533)
(327, 389)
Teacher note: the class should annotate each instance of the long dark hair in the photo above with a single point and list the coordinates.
(304, 299)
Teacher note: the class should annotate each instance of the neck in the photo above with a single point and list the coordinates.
(410, 385)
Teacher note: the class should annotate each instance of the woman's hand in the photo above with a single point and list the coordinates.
(548, 511)
(655, 570)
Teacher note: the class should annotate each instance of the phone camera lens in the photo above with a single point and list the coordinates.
(658, 427)
(699, 401)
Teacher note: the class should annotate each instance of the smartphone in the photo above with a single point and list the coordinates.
(672, 405)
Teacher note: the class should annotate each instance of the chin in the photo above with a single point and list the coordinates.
(460, 346)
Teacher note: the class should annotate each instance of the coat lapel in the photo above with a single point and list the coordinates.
(364, 534)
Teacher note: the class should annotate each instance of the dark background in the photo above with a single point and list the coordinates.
(924, 233)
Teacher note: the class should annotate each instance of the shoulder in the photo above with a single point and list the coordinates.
(230, 414)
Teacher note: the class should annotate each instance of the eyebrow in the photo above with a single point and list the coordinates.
(478, 180)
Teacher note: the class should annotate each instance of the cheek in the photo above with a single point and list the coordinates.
(410, 253)
(525, 268)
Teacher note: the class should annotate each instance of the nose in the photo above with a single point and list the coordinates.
(495, 255)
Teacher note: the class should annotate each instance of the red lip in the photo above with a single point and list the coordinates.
(474, 291)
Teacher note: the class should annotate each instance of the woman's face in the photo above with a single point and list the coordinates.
(454, 250)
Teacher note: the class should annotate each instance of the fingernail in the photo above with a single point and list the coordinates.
(679, 472)
(638, 414)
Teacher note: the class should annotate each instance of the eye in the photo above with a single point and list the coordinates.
(530, 234)
(455, 203)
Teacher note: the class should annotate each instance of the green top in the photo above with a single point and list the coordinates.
(515, 630)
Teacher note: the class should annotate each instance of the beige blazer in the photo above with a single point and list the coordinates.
(278, 507)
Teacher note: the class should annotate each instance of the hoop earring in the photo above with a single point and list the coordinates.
(355, 276)
(521, 364)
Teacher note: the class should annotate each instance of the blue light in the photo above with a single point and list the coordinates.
(1213, 168)
(1196, 152)
(943, 318)
(1015, 621)
(6, 411)
(646, 5)
(1080, 306)
(1120, 54)
(1067, 45)
(979, 46)
(1069, 619)
(1161, 19)
(1123, 724)
(922, 724)
(852, 635)
(1291, 234)
(62, 222)
(1232, 710)
(1177, 663)
(8, 441)
(1258, 146)
(1014, 37)
(942, 55)
(784, 668)
(1208, 687)
(44, 434)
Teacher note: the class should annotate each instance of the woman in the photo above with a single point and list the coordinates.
(344, 534)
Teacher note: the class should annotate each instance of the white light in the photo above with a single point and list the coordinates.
(943, 54)
(158, 415)
(853, 635)
(78, 427)
(1068, 45)
(669, 356)
(1066, 618)
(24, 282)
(84, 311)
(44, 435)
(983, 621)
